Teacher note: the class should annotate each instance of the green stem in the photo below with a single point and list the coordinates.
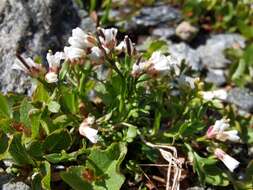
(115, 68)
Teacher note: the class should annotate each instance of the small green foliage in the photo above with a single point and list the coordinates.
(19, 152)
(4, 108)
(4, 142)
(57, 141)
(74, 177)
(105, 116)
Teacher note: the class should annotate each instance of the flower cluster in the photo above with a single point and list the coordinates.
(82, 45)
(218, 132)
(54, 62)
(28, 66)
(158, 64)
(220, 94)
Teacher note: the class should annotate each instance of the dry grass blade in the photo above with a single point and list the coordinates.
(174, 170)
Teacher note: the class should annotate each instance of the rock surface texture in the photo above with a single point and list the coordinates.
(159, 15)
(243, 98)
(31, 27)
(212, 53)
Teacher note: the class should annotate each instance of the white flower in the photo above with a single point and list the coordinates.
(86, 130)
(28, 66)
(18, 65)
(229, 161)
(73, 53)
(231, 135)
(55, 60)
(174, 63)
(160, 62)
(126, 46)
(51, 77)
(218, 131)
(90, 120)
(96, 55)
(207, 95)
(80, 39)
(136, 69)
(139, 68)
(220, 94)
(108, 37)
(221, 125)
(121, 47)
(185, 81)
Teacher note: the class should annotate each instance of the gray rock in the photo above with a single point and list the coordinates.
(15, 186)
(86, 23)
(216, 76)
(199, 188)
(4, 178)
(186, 31)
(184, 52)
(2, 5)
(212, 53)
(163, 32)
(242, 98)
(195, 188)
(118, 14)
(155, 15)
(32, 27)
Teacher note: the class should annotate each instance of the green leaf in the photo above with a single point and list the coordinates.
(249, 171)
(40, 94)
(3, 142)
(245, 29)
(68, 100)
(74, 178)
(5, 124)
(93, 4)
(54, 107)
(46, 171)
(207, 170)
(63, 121)
(18, 151)
(64, 69)
(64, 157)
(35, 149)
(35, 120)
(239, 70)
(131, 134)
(215, 176)
(57, 141)
(106, 164)
(25, 107)
(59, 157)
(155, 46)
(5, 110)
(152, 154)
(248, 55)
(189, 128)
(36, 181)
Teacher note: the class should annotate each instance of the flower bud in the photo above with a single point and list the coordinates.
(51, 77)
(86, 130)
(229, 161)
